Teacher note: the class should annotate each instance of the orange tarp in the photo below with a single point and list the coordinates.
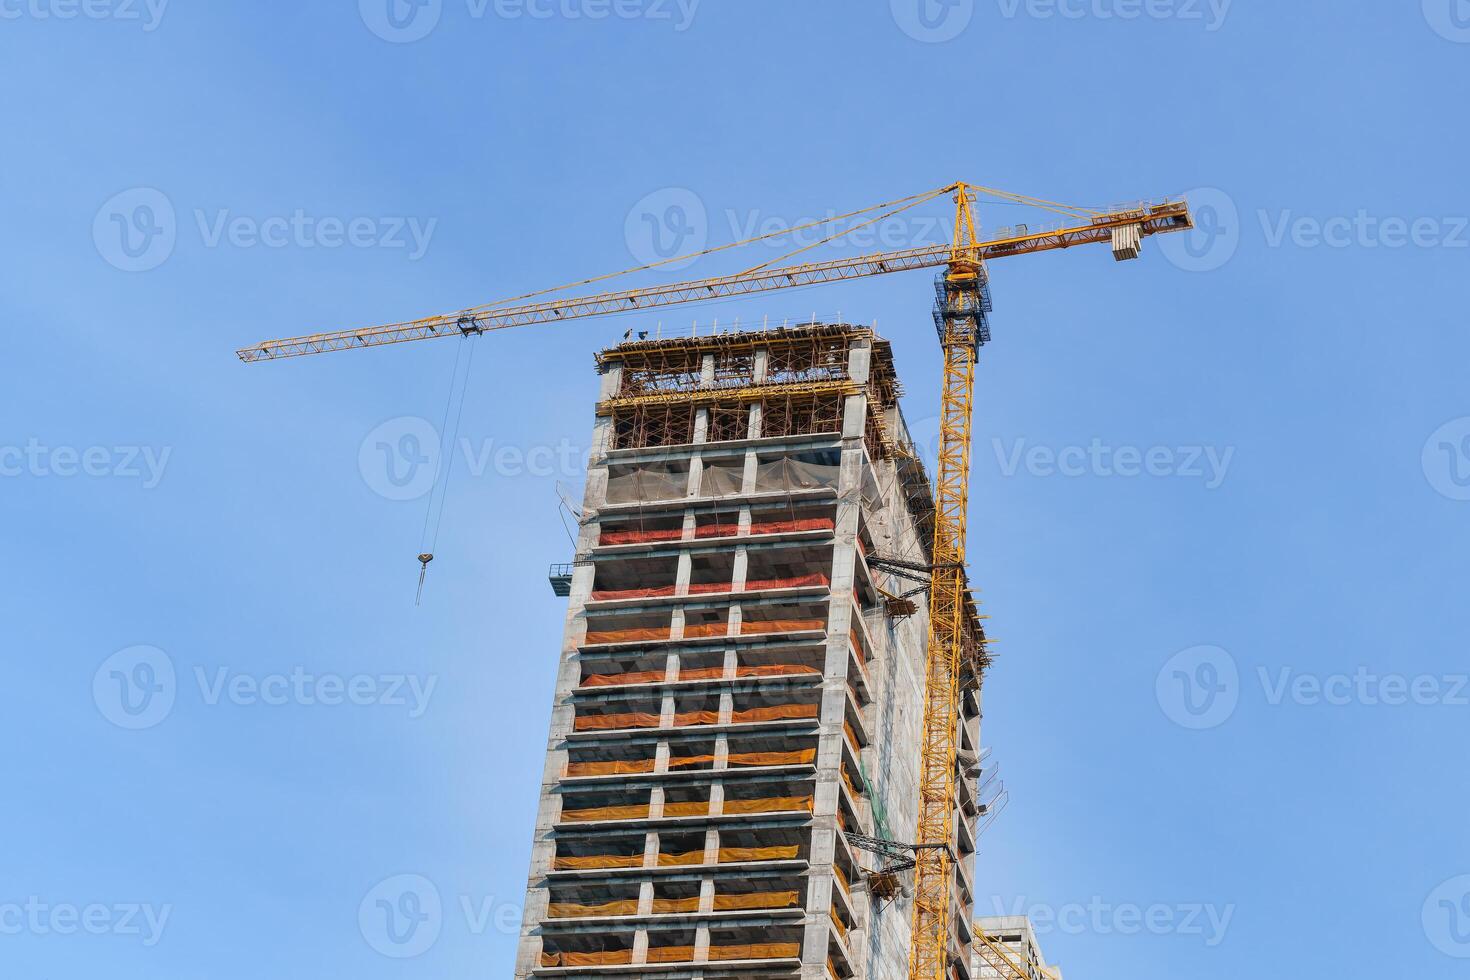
(774, 670)
(691, 808)
(765, 527)
(685, 718)
(571, 910)
(732, 855)
(631, 719)
(592, 862)
(702, 674)
(755, 951)
(627, 636)
(782, 625)
(841, 879)
(837, 921)
(704, 588)
(605, 594)
(772, 758)
(852, 738)
(775, 713)
(639, 537)
(706, 629)
(772, 804)
(633, 812)
(857, 642)
(794, 582)
(670, 954)
(664, 906)
(753, 670)
(680, 860)
(755, 900)
(611, 958)
(619, 768)
(684, 761)
(630, 677)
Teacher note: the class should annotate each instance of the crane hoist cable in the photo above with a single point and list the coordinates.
(453, 401)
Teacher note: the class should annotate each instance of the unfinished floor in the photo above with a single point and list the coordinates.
(736, 688)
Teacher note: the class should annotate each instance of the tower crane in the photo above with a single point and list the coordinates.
(961, 317)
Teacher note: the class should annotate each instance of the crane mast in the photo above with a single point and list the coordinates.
(961, 319)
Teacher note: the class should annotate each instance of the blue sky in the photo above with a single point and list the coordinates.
(1220, 498)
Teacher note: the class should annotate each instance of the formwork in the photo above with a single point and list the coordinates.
(738, 689)
(1013, 949)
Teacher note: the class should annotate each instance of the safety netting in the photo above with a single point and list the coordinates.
(808, 472)
(667, 906)
(657, 480)
(722, 477)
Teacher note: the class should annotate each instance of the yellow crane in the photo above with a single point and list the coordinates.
(961, 320)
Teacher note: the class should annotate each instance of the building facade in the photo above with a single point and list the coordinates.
(739, 688)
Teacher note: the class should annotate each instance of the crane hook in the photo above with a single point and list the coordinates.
(424, 560)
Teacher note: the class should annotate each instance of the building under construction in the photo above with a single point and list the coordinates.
(738, 709)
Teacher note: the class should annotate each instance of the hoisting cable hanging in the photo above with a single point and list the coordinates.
(448, 440)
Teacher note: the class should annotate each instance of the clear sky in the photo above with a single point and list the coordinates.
(1220, 500)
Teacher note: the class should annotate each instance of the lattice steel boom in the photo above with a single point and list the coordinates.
(1104, 227)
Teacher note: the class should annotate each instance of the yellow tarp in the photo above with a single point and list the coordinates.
(732, 855)
(617, 768)
(756, 951)
(756, 900)
(634, 812)
(611, 958)
(592, 862)
(571, 910)
(771, 804)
